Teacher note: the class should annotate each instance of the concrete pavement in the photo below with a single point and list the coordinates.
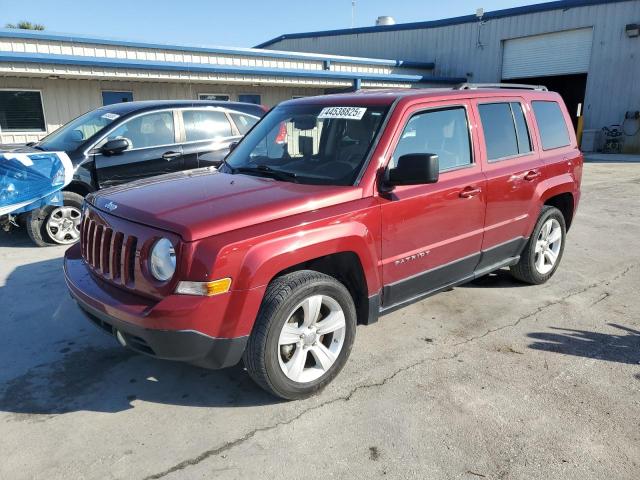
(494, 379)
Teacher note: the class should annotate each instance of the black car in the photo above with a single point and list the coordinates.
(126, 141)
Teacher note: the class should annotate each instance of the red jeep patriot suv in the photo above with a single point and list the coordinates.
(333, 210)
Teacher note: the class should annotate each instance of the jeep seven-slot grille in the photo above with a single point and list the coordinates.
(111, 254)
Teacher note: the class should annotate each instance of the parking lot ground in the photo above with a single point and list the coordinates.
(494, 379)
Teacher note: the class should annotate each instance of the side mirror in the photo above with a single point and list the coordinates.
(115, 146)
(415, 169)
(76, 135)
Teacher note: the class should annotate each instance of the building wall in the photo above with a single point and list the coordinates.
(55, 44)
(613, 84)
(64, 100)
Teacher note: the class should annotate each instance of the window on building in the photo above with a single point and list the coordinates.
(111, 97)
(244, 122)
(150, 130)
(249, 98)
(21, 111)
(551, 124)
(205, 125)
(441, 132)
(219, 97)
(505, 130)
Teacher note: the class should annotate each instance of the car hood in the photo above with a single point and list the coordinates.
(200, 203)
(17, 148)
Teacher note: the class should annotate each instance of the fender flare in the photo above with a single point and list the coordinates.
(546, 189)
(265, 260)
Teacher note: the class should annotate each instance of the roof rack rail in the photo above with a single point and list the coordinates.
(522, 86)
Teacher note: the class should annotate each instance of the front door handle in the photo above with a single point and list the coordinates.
(470, 191)
(171, 155)
(531, 175)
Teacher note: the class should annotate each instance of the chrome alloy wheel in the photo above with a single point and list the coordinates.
(63, 225)
(311, 339)
(548, 246)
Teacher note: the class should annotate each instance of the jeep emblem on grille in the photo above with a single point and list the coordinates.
(111, 206)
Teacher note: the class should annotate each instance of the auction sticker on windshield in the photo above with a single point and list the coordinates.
(348, 113)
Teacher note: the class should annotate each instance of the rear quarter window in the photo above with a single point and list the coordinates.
(551, 124)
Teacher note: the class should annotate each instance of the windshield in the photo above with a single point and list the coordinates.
(73, 134)
(314, 144)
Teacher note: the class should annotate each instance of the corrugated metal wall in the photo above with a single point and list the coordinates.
(613, 85)
(66, 99)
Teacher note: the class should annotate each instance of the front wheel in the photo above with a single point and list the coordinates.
(543, 252)
(54, 225)
(303, 334)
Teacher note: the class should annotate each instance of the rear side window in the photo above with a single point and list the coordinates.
(442, 132)
(505, 130)
(205, 125)
(551, 124)
(243, 122)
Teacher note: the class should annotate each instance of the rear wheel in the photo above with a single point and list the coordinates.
(53, 225)
(303, 334)
(543, 252)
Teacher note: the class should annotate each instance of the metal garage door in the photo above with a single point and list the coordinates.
(558, 53)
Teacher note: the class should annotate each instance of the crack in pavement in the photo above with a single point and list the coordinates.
(549, 304)
(345, 398)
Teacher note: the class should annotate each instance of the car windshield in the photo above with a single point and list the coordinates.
(313, 144)
(73, 134)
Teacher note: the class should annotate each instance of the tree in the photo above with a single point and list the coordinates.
(24, 25)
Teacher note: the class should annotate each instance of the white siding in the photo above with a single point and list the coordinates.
(70, 89)
(558, 53)
(261, 59)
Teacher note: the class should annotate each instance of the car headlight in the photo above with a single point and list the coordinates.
(162, 262)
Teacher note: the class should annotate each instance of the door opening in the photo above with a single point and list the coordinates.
(570, 87)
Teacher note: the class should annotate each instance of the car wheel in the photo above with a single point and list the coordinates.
(303, 334)
(543, 252)
(53, 225)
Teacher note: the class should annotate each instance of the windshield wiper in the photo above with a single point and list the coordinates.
(265, 170)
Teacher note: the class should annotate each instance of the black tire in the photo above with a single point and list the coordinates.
(261, 357)
(36, 220)
(525, 270)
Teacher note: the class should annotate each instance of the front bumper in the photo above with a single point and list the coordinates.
(184, 346)
(134, 318)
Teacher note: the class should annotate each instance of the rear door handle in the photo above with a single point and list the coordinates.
(470, 191)
(532, 175)
(171, 155)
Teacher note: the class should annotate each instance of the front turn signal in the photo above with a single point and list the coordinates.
(207, 289)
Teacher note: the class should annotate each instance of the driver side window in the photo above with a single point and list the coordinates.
(442, 132)
(151, 130)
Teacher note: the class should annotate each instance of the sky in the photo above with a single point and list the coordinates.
(237, 23)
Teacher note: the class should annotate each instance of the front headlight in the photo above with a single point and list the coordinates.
(162, 262)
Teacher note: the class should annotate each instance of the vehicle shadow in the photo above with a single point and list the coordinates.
(55, 361)
(498, 279)
(621, 348)
(15, 238)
